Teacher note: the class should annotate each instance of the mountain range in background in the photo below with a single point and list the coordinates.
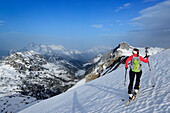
(59, 50)
(105, 94)
(39, 72)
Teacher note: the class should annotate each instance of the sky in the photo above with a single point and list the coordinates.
(84, 24)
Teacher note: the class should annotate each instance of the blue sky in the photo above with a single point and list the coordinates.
(84, 24)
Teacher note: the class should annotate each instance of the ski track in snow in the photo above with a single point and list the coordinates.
(104, 95)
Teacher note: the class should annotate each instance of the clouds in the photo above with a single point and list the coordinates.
(98, 26)
(150, 0)
(17, 40)
(155, 25)
(1, 22)
(150, 28)
(123, 7)
(156, 17)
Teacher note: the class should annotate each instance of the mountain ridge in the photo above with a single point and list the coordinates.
(53, 68)
(63, 52)
(105, 93)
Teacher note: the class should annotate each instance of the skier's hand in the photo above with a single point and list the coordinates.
(126, 68)
(147, 56)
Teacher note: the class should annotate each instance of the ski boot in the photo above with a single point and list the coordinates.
(135, 93)
(130, 99)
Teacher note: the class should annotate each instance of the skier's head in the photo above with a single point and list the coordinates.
(135, 51)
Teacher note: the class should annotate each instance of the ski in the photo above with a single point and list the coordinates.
(128, 102)
(133, 98)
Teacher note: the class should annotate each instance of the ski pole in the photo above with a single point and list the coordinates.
(124, 85)
(149, 66)
(152, 79)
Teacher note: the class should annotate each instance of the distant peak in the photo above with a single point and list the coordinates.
(32, 44)
(124, 45)
(57, 47)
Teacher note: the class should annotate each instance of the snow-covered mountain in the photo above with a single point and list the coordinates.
(66, 54)
(111, 60)
(74, 60)
(32, 74)
(124, 49)
(105, 93)
(43, 76)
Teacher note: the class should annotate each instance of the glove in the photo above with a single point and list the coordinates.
(147, 56)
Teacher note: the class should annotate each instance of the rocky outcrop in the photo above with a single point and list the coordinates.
(109, 62)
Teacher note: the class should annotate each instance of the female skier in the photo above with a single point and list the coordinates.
(135, 69)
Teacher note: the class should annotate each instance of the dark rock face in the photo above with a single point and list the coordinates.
(110, 61)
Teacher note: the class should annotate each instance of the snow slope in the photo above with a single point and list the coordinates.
(15, 103)
(105, 93)
(29, 73)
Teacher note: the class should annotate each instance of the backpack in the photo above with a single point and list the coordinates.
(135, 64)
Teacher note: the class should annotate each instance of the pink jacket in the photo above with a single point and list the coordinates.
(135, 55)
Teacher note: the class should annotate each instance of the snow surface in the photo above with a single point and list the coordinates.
(80, 73)
(97, 58)
(81, 82)
(15, 103)
(9, 83)
(104, 95)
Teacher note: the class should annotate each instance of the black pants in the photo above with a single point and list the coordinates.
(131, 77)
